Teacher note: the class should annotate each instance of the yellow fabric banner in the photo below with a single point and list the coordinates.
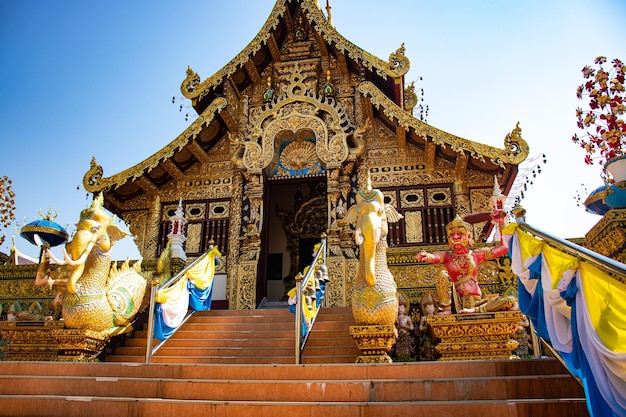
(308, 313)
(173, 293)
(201, 274)
(606, 302)
(558, 262)
(529, 245)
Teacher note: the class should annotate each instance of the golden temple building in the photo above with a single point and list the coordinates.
(286, 134)
(298, 135)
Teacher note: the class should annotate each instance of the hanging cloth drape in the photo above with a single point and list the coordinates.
(193, 290)
(581, 310)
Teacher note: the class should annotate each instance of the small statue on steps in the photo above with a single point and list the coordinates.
(405, 344)
(427, 339)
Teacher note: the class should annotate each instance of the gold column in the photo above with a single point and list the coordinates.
(150, 243)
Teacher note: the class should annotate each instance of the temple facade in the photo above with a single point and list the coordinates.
(286, 133)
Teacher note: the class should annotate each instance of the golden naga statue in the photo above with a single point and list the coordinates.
(374, 295)
(93, 293)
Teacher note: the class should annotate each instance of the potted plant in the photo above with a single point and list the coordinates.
(603, 122)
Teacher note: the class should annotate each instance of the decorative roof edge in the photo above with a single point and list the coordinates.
(94, 182)
(515, 150)
(398, 65)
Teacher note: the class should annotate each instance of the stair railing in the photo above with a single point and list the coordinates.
(302, 282)
(606, 264)
(601, 261)
(154, 283)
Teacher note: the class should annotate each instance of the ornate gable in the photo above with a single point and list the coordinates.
(297, 101)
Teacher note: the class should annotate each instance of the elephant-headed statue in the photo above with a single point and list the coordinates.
(93, 292)
(374, 295)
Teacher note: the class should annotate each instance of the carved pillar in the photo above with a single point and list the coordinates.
(236, 220)
(462, 204)
(254, 192)
(248, 261)
(150, 245)
(335, 207)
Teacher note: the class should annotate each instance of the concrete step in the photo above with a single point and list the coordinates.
(475, 389)
(328, 351)
(402, 371)
(185, 333)
(207, 360)
(234, 326)
(535, 388)
(70, 406)
(190, 341)
(330, 340)
(195, 351)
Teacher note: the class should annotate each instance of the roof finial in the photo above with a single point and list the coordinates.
(330, 16)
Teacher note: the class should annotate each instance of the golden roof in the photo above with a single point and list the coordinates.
(215, 120)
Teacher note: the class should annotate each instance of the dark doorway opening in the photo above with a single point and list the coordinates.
(295, 216)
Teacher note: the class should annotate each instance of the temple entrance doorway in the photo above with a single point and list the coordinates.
(295, 216)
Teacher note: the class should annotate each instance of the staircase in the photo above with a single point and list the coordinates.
(221, 337)
(248, 336)
(241, 363)
(329, 340)
(535, 388)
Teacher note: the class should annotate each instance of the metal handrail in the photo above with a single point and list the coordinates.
(601, 261)
(301, 282)
(153, 290)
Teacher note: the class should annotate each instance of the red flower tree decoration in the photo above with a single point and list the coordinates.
(7, 205)
(603, 122)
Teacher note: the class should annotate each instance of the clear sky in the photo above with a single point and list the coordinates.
(81, 79)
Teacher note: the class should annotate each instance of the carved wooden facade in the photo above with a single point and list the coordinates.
(286, 133)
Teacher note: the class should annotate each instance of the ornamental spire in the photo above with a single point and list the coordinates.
(330, 16)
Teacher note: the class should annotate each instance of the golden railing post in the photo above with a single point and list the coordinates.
(153, 288)
(299, 279)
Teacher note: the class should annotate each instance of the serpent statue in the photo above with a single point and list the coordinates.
(93, 293)
(374, 295)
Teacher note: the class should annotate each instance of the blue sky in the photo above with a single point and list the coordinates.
(81, 79)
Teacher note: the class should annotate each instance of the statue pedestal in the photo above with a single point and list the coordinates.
(374, 342)
(79, 345)
(29, 340)
(49, 341)
(476, 336)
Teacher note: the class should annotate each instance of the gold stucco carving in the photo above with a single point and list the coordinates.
(439, 196)
(246, 285)
(194, 235)
(515, 151)
(374, 341)
(49, 341)
(297, 110)
(219, 209)
(195, 211)
(413, 227)
(341, 270)
(476, 336)
(608, 237)
(412, 198)
(397, 66)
